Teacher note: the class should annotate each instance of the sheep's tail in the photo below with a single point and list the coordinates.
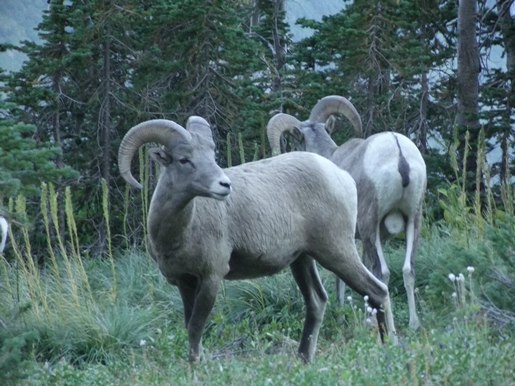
(403, 166)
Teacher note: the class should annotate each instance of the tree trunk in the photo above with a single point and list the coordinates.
(59, 158)
(468, 88)
(422, 127)
(105, 121)
(507, 24)
(106, 113)
(278, 47)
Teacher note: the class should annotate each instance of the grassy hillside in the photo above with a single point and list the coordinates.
(78, 320)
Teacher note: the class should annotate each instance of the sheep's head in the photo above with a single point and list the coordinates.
(187, 157)
(317, 129)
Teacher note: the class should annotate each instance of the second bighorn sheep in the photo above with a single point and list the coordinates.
(206, 224)
(390, 175)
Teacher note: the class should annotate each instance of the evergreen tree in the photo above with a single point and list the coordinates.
(194, 58)
(24, 162)
(106, 65)
(64, 89)
(379, 54)
(468, 89)
(498, 85)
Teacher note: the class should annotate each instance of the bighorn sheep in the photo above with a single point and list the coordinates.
(3, 236)
(390, 176)
(206, 224)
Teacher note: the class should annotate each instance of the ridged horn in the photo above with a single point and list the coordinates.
(161, 131)
(277, 125)
(199, 125)
(335, 104)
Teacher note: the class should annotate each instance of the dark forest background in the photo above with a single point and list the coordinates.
(96, 68)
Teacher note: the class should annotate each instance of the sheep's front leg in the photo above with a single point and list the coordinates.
(207, 290)
(188, 287)
(306, 275)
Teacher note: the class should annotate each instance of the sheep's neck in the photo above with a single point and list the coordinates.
(323, 146)
(169, 218)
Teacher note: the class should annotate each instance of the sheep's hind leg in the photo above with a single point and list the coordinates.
(305, 273)
(347, 265)
(204, 301)
(408, 271)
(373, 256)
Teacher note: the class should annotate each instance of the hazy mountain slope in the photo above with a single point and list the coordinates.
(295, 9)
(18, 18)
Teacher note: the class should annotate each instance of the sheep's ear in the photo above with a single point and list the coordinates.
(160, 155)
(329, 124)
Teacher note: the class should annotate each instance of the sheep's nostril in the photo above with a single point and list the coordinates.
(226, 185)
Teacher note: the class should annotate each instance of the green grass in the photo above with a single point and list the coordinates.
(138, 338)
(114, 320)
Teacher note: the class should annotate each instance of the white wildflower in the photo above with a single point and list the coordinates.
(349, 298)
(470, 269)
(142, 342)
(368, 321)
(454, 295)
(452, 277)
(365, 298)
(369, 310)
(374, 311)
(460, 277)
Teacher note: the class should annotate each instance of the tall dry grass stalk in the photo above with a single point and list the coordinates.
(508, 192)
(478, 200)
(71, 225)
(464, 166)
(229, 151)
(263, 138)
(105, 207)
(481, 210)
(46, 221)
(242, 149)
(256, 152)
(26, 261)
(51, 292)
(64, 254)
(126, 215)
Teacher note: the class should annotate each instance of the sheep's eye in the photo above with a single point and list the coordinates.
(184, 161)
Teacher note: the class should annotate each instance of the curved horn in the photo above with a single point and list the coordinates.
(277, 125)
(199, 125)
(335, 104)
(161, 131)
